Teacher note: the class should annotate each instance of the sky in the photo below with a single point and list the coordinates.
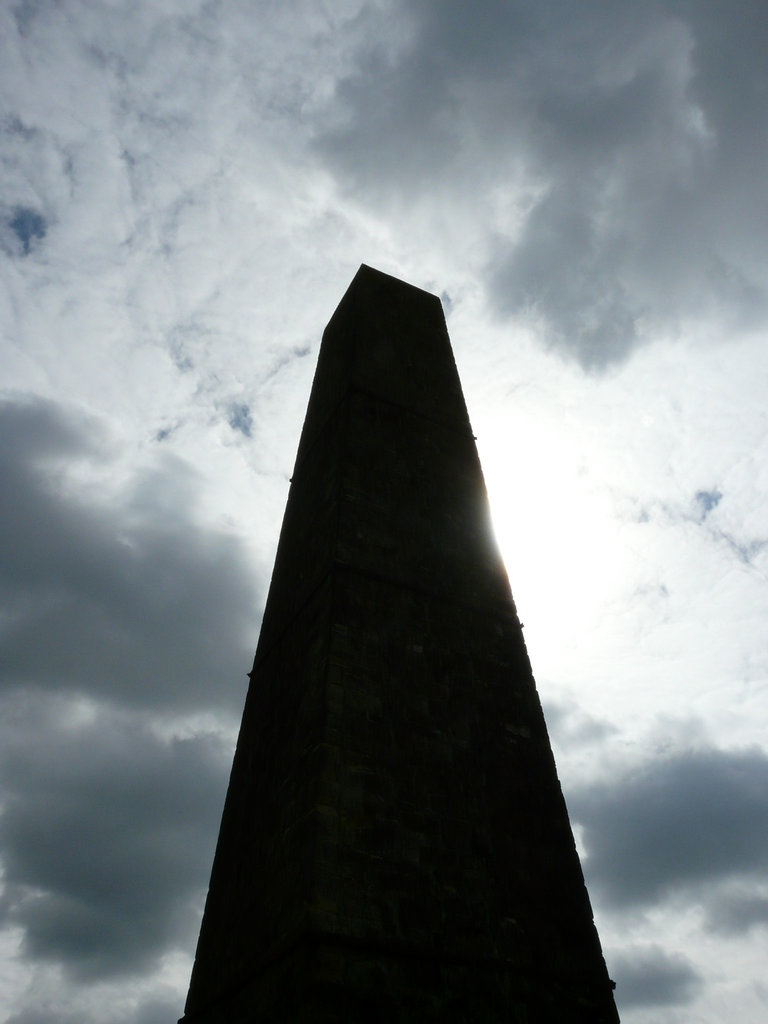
(187, 187)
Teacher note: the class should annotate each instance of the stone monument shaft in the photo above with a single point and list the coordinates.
(394, 846)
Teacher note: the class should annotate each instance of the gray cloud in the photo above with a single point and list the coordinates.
(116, 607)
(158, 1011)
(107, 834)
(107, 830)
(610, 131)
(130, 600)
(674, 824)
(647, 976)
(737, 910)
(570, 727)
(33, 1015)
(152, 1010)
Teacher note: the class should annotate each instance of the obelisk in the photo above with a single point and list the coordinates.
(394, 845)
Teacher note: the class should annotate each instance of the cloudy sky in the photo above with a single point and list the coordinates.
(186, 189)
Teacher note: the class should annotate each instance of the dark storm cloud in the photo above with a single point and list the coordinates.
(106, 834)
(647, 976)
(630, 138)
(129, 600)
(675, 824)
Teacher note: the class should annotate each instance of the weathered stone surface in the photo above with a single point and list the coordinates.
(394, 846)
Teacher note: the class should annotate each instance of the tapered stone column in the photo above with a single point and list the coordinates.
(394, 845)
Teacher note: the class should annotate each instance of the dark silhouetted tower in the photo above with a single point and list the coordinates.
(394, 845)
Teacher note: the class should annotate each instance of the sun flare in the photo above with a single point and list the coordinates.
(559, 537)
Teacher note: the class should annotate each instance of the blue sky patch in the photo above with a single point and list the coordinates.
(707, 500)
(240, 418)
(28, 226)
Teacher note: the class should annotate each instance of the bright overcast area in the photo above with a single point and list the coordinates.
(186, 190)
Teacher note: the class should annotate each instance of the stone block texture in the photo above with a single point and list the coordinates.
(394, 846)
